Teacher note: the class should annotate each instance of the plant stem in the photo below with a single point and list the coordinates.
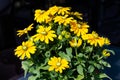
(76, 51)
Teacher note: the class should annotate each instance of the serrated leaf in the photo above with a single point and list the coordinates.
(80, 69)
(69, 52)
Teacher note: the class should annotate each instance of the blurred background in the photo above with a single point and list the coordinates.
(102, 15)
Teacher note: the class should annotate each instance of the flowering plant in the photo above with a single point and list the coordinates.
(63, 47)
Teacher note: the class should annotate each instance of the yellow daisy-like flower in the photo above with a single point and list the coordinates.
(44, 34)
(79, 28)
(63, 20)
(94, 39)
(75, 42)
(21, 32)
(53, 10)
(25, 50)
(105, 53)
(77, 14)
(38, 15)
(58, 64)
(64, 10)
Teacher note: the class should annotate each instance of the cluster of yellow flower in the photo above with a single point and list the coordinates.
(58, 25)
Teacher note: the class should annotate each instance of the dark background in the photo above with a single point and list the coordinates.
(102, 15)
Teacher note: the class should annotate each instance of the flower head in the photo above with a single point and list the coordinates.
(53, 10)
(44, 34)
(63, 20)
(75, 42)
(21, 32)
(64, 10)
(58, 64)
(79, 28)
(105, 53)
(25, 50)
(94, 39)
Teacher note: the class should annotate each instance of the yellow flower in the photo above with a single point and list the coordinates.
(53, 10)
(75, 42)
(105, 53)
(107, 41)
(58, 64)
(25, 49)
(38, 14)
(79, 28)
(77, 14)
(60, 37)
(94, 39)
(44, 34)
(21, 32)
(64, 10)
(63, 20)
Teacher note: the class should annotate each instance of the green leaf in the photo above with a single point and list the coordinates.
(80, 69)
(59, 29)
(63, 55)
(106, 64)
(79, 77)
(32, 78)
(97, 65)
(91, 69)
(44, 67)
(103, 75)
(70, 72)
(60, 46)
(26, 65)
(111, 51)
(69, 52)
(88, 49)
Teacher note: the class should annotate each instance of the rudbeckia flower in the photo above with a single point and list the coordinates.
(79, 28)
(105, 53)
(44, 34)
(58, 64)
(95, 39)
(63, 20)
(75, 42)
(64, 11)
(23, 51)
(25, 31)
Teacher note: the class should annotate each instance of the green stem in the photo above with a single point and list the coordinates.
(76, 51)
(28, 36)
(100, 58)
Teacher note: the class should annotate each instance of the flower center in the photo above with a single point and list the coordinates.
(58, 64)
(24, 48)
(44, 32)
(79, 26)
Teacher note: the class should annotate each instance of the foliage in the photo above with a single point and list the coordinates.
(62, 47)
